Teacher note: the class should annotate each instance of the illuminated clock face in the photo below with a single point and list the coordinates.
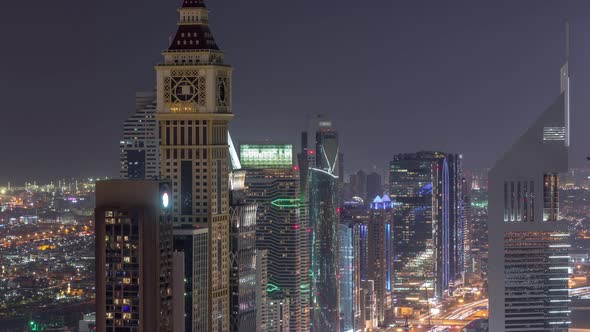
(165, 200)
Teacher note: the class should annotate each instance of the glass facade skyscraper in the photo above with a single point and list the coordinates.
(426, 191)
(380, 256)
(243, 266)
(324, 221)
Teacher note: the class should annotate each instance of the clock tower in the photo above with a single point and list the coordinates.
(194, 109)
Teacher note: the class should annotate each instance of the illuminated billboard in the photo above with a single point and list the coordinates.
(266, 155)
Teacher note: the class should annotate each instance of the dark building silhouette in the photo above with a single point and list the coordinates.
(133, 256)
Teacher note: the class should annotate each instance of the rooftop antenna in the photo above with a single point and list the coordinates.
(567, 40)
(565, 83)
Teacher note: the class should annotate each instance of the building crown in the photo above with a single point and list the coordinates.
(193, 32)
(193, 4)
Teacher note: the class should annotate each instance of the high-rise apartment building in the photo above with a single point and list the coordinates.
(133, 256)
(193, 112)
(140, 145)
(528, 259)
(325, 269)
(273, 184)
(426, 189)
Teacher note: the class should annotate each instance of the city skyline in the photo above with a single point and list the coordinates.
(361, 187)
(450, 55)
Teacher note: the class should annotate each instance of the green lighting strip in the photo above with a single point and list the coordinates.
(271, 288)
(286, 203)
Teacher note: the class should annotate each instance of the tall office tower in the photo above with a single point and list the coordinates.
(140, 146)
(346, 248)
(380, 257)
(261, 294)
(373, 186)
(320, 148)
(528, 283)
(456, 216)
(321, 157)
(272, 182)
(350, 275)
(426, 188)
(193, 111)
(324, 220)
(354, 220)
(242, 279)
(133, 256)
(327, 147)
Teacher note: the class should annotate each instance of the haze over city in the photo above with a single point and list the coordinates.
(396, 76)
(295, 166)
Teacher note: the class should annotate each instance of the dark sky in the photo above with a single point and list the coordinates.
(396, 76)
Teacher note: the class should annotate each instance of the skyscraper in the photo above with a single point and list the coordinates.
(354, 263)
(426, 189)
(193, 111)
(272, 183)
(140, 145)
(242, 257)
(324, 221)
(528, 275)
(320, 148)
(380, 257)
(348, 241)
(321, 164)
(133, 256)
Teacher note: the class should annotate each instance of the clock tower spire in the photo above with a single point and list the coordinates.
(193, 112)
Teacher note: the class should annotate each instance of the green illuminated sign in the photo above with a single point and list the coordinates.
(266, 155)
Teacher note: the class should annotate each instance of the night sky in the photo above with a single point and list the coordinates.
(396, 76)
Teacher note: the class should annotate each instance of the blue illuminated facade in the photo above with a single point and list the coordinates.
(353, 239)
(426, 190)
